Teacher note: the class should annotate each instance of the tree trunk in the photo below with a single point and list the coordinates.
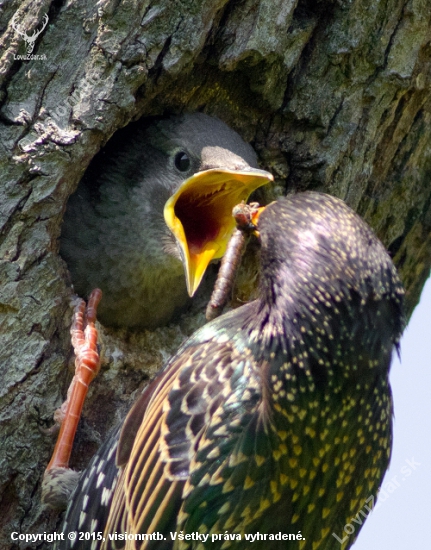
(332, 94)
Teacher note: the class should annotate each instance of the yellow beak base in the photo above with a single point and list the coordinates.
(199, 215)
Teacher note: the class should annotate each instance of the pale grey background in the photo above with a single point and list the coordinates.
(403, 520)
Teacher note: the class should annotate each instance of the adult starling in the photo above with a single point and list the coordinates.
(161, 205)
(274, 418)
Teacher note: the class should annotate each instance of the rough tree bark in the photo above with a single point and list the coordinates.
(334, 95)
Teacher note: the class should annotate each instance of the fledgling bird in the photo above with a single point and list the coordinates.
(160, 206)
(274, 418)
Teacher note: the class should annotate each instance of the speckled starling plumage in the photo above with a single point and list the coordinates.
(274, 418)
(187, 171)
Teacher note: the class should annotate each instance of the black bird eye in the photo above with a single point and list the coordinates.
(182, 161)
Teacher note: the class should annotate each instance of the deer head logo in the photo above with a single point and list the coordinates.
(29, 40)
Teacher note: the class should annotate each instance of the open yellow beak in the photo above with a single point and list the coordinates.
(199, 215)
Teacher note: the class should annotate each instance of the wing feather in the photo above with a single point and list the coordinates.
(179, 445)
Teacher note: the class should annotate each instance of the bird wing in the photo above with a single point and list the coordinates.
(199, 412)
(91, 502)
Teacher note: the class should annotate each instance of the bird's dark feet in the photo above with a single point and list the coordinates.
(59, 480)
